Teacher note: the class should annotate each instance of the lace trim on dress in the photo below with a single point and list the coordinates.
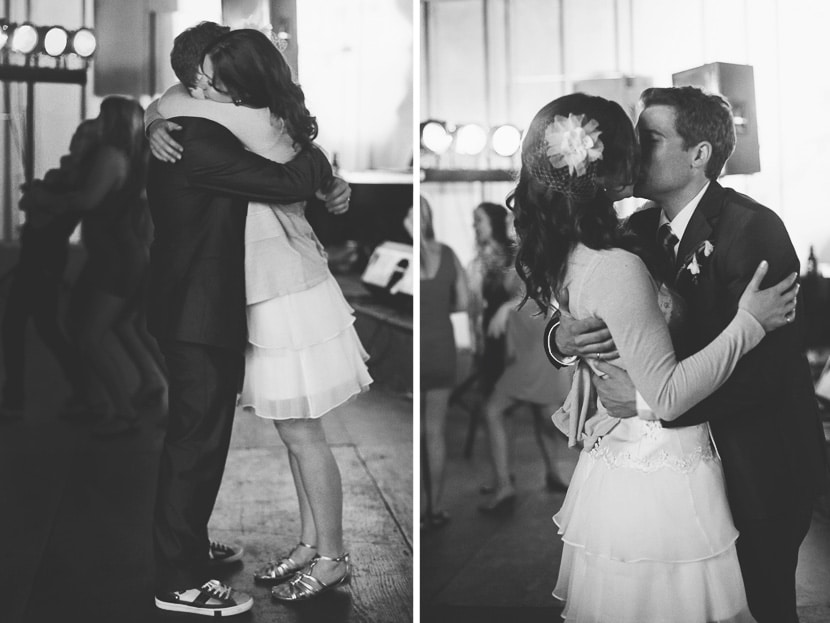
(661, 460)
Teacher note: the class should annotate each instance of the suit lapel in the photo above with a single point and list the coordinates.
(702, 222)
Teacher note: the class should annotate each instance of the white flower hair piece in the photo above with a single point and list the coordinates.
(572, 143)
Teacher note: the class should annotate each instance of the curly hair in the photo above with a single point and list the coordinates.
(699, 116)
(189, 49)
(497, 216)
(549, 222)
(255, 74)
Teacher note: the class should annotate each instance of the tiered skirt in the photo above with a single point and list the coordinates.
(647, 534)
(304, 357)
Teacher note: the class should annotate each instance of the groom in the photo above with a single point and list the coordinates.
(763, 419)
(196, 312)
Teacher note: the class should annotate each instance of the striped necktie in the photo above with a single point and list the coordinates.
(667, 240)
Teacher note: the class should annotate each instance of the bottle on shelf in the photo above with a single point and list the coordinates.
(812, 262)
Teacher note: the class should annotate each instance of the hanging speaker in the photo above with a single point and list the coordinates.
(737, 84)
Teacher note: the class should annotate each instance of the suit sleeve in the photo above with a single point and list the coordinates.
(621, 292)
(216, 161)
(757, 378)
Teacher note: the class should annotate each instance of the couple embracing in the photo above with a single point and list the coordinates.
(240, 288)
(702, 452)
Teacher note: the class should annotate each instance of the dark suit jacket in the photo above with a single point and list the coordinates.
(763, 419)
(199, 205)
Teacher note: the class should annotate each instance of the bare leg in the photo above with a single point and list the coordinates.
(151, 380)
(308, 531)
(320, 478)
(101, 313)
(494, 410)
(433, 426)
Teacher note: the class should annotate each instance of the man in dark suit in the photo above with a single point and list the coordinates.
(763, 419)
(196, 311)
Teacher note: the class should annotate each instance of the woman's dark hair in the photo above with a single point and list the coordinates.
(255, 74)
(550, 220)
(122, 126)
(497, 215)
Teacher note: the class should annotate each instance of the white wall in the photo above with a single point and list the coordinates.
(550, 44)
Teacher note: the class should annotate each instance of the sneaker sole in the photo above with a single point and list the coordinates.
(228, 560)
(210, 612)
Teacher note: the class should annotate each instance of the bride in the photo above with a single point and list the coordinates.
(646, 529)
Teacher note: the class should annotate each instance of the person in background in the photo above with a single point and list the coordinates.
(492, 284)
(444, 290)
(38, 277)
(528, 380)
(109, 198)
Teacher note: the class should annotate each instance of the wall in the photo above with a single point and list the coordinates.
(537, 49)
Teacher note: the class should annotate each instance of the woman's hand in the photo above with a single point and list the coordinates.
(498, 323)
(773, 307)
(163, 146)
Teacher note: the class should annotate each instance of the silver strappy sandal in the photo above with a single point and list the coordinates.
(305, 586)
(283, 569)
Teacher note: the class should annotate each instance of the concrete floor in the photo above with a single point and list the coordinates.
(481, 568)
(75, 512)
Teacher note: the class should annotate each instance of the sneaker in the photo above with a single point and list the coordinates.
(221, 554)
(212, 599)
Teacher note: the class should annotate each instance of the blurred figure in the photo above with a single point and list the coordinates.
(109, 197)
(528, 379)
(493, 283)
(36, 285)
(444, 290)
(131, 326)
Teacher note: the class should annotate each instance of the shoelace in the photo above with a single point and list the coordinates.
(216, 589)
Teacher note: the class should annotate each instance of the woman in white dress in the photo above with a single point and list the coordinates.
(647, 534)
(304, 357)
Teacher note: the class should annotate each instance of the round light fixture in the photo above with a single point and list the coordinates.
(25, 39)
(470, 140)
(4, 34)
(435, 137)
(506, 140)
(84, 42)
(55, 41)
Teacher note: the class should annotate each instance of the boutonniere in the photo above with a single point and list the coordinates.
(696, 260)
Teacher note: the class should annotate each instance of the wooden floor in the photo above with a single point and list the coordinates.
(479, 568)
(75, 513)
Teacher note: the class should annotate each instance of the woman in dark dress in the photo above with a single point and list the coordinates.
(443, 291)
(108, 198)
(38, 277)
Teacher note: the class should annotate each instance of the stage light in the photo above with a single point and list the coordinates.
(470, 140)
(435, 137)
(55, 41)
(25, 39)
(4, 34)
(506, 140)
(83, 43)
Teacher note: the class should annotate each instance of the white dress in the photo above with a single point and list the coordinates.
(304, 357)
(646, 529)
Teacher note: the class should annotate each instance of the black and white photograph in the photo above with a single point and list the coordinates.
(624, 311)
(206, 290)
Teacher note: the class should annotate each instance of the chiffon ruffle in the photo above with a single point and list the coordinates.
(304, 357)
(647, 534)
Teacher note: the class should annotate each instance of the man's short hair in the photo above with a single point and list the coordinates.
(189, 47)
(699, 116)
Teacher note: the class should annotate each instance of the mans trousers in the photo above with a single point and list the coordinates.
(203, 381)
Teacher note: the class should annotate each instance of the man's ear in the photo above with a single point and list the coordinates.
(701, 154)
